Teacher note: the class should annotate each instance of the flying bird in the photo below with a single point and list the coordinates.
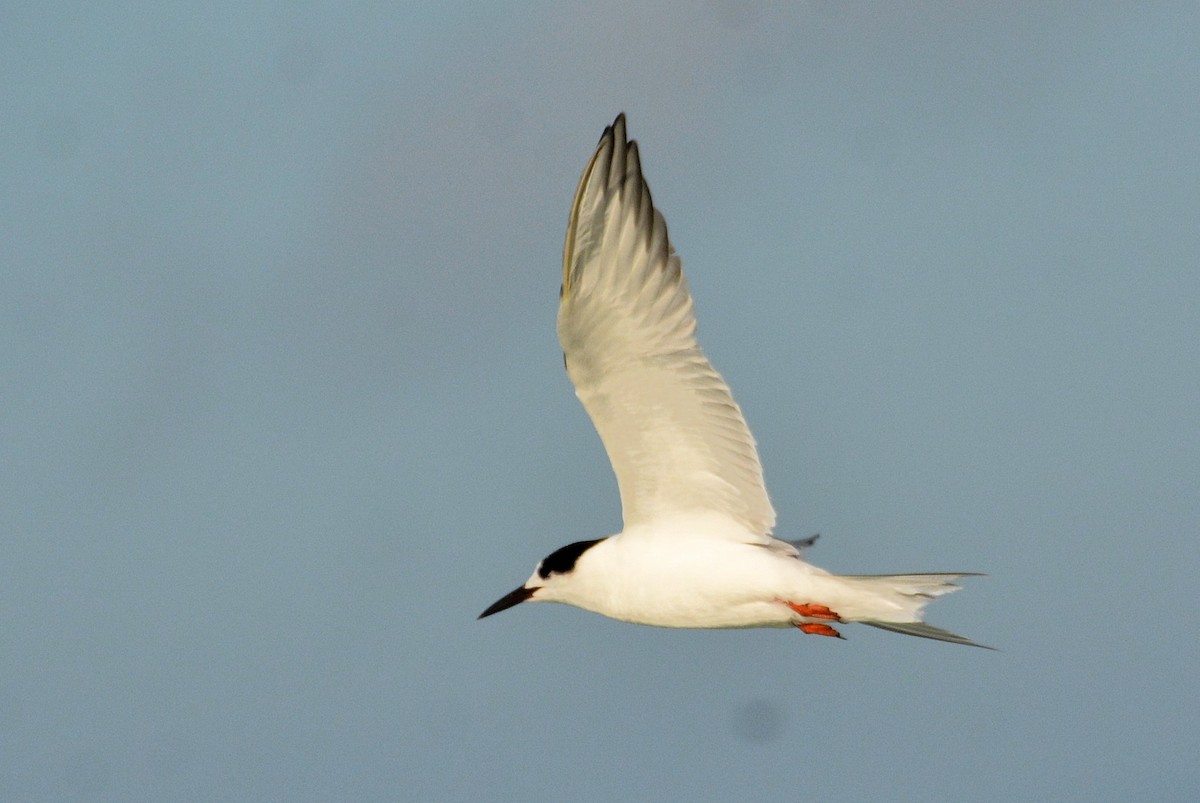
(696, 549)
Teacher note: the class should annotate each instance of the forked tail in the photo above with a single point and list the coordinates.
(896, 601)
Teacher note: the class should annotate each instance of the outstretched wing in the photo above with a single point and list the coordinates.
(675, 436)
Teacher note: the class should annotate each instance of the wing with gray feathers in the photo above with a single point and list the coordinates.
(675, 436)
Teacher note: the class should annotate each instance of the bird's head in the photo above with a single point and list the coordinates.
(553, 576)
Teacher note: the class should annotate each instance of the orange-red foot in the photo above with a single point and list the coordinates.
(814, 611)
(819, 629)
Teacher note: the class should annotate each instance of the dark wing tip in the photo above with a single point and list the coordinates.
(805, 543)
(614, 131)
(923, 630)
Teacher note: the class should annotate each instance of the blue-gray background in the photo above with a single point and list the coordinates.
(283, 408)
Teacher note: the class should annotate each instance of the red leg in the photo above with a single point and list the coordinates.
(819, 629)
(813, 611)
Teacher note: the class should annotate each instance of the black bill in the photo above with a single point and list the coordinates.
(514, 597)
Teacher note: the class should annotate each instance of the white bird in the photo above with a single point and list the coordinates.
(696, 549)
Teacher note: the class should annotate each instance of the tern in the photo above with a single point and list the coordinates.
(696, 549)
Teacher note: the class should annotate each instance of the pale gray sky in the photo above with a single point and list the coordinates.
(282, 407)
